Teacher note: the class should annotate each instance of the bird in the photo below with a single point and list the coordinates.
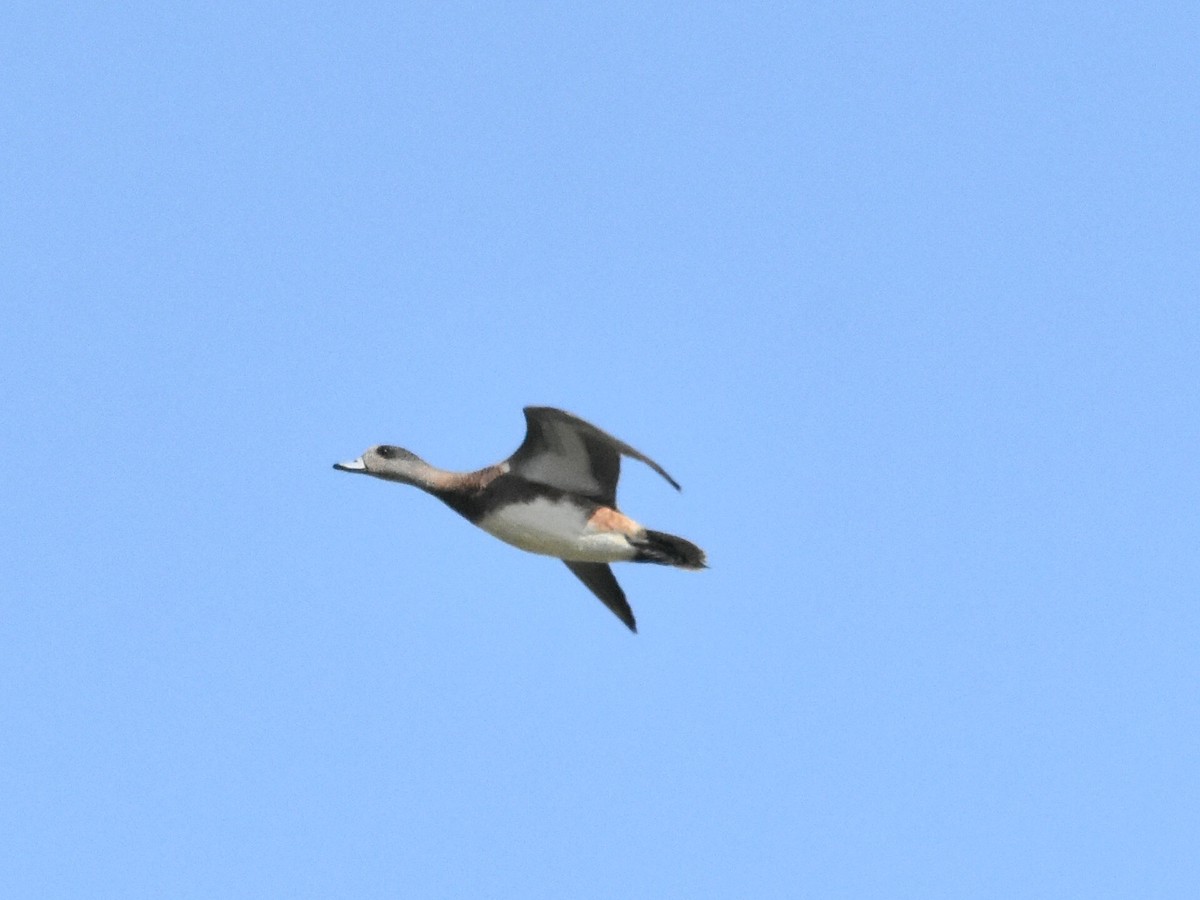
(555, 496)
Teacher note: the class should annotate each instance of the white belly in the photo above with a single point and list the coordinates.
(555, 529)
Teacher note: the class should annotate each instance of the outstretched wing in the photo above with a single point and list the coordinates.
(600, 581)
(565, 452)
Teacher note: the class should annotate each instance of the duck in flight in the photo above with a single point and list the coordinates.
(557, 495)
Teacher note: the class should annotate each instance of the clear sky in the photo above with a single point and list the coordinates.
(905, 296)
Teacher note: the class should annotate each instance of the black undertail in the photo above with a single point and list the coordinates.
(668, 550)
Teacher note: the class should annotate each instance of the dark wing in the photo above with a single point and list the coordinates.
(572, 455)
(603, 583)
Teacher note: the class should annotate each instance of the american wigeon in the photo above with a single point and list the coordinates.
(557, 495)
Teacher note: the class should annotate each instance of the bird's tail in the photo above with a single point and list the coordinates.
(669, 550)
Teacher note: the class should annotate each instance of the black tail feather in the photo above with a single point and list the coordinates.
(669, 550)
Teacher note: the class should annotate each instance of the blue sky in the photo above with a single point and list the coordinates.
(904, 296)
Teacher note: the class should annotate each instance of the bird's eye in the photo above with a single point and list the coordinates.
(386, 452)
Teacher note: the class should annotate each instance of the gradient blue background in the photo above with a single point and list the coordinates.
(906, 296)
